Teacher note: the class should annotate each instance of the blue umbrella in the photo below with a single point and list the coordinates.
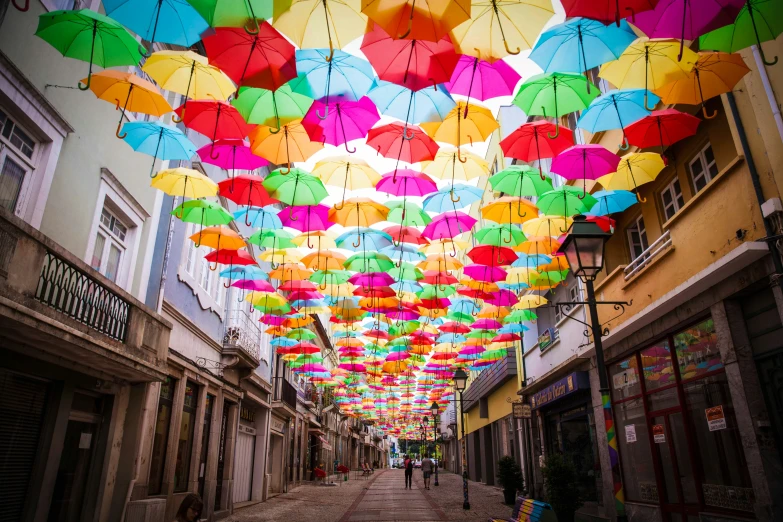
(158, 140)
(446, 198)
(406, 286)
(514, 287)
(368, 238)
(513, 328)
(168, 21)
(464, 306)
(611, 201)
(531, 260)
(409, 106)
(244, 272)
(615, 110)
(283, 341)
(344, 75)
(260, 217)
(404, 252)
(580, 44)
(451, 338)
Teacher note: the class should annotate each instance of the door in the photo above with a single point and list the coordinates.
(243, 466)
(578, 445)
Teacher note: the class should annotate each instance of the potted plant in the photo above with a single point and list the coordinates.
(509, 478)
(562, 487)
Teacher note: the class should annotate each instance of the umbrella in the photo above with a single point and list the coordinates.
(611, 202)
(393, 141)
(411, 106)
(482, 79)
(205, 213)
(168, 21)
(321, 23)
(634, 170)
(453, 163)
(215, 119)
(429, 21)
(346, 171)
(345, 75)
(508, 209)
(648, 64)
(271, 108)
(407, 183)
(458, 193)
(520, 180)
(606, 11)
(218, 237)
(345, 121)
(189, 74)
(581, 44)
(498, 26)
(565, 201)
(498, 235)
(234, 14)
(713, 74)
(662, 128)
(265, 59)
(359, 212)
(286, 146)
(536, 141)
(246, 189)
(407, 214)
(226, 256)
(90, 37)
(231, 154)
(591, 161)
(414, 64)
(158, 140)
(371, 238)
(260, 218)
(554, 94)
(463, 124)
(687, 19)
(615, 110)
(187, 182)
(295, 187)
(448, 225)
(306, 218)
(758, 21)
(544, 226)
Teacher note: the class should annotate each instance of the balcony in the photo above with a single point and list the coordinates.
(55, 306)
(284, 396)
(659, 246)
(241, 338)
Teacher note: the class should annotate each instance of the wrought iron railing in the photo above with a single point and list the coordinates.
(658, 246)
(285, 392)
(69, 290)
(241, 331)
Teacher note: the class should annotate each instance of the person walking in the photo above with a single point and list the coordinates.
(408, 465)
(427, 466)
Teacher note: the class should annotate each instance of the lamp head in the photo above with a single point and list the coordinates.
(460, 380)
(584, 248)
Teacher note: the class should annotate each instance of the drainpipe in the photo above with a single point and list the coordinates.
(754, 176)
(768, 90)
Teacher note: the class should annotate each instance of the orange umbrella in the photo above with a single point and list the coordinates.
(298, 322)
(429, 20)
(290, 143)
(325, 260)
(218, 237)
(538, 245)
(439, 263)
(359, 212)
(509, 209)
(290, 272)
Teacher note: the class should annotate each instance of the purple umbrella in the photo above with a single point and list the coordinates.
(272, 320)
(591, 161)
(486, 324)
(503, 297)
(448, 225)
(371, 279)
(489, 274)
(306, 218)
(481, 79)
(231, 154)
(687, 19)
(345, 121)
(406, 182)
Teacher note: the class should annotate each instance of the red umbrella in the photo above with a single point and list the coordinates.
(265, 59)
(661, 128)
(290, 286)
(214, 119)
(378, 291)
(532, 141)
(454, 327)
(414, 64)
(394, 141)
(402, 234)
(246, 189)
(607, 10)
(490, 255)
(227, 256)
(433, 277)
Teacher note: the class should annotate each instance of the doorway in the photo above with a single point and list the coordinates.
(243, 462)
(275, 464)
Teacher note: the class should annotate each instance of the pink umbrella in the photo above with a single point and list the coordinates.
(231, 154)
(506, 338)
(472, 349)
(503, 297)
(591, 161)
(371, 279)
(256, 285)
(312, 367)
(489, 274)
(306, 218)
(406, 182)
(448, 225)
(486, 324)
(481, 79)
(344, 121)
(272, 320)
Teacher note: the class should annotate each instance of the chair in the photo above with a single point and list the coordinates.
(320, 474)
(529, 510)
(344, 471)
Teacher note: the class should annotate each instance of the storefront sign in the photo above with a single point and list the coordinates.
(624, 379)
(278, 425)
(546, 339)
(247, 429)
(630, 433)
(558, 390)
(716, 419)
(659, 436)
(521, 410)
(247, 414)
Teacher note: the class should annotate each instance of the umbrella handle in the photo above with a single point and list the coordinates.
(124, 134)
(181, 116)
(633, 15)
(22, 9)
(640, 198)
(646, 92)
(347, 149)
(325, 114)
(405, 134)
(286, 171)
(509, 236)
(89, 79)
(407, 31)
(278, 129)
(509, 51)
(291, 214)
(434, 84)
(714, 113)
(451, 195)
(764, 59)
(624, 145)
(359, 241)
(254, 31)
(459, 156)
(212, 152)
(331, 49)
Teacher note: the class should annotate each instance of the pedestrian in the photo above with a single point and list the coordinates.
(408, 465)
(427, 465)
(190, 509)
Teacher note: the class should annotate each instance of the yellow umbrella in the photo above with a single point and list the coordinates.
(498, 28)
(218, 237)
(277, 256)
(347, 172)
(509, 209)
(322, 23)
(189, 74)
(290, 143)
(465, 123)
(316, 240)
(440, 263)
(441, 246)
(290, 272)
(130, 91)
(492, 311)
(530, 301)
(188, 183)
(359, 212)
(324, 260)
(298, 322)
(547, 226)
(649, 64)
(634, 170)
(449, 162)
(429, 21)
(338, 290)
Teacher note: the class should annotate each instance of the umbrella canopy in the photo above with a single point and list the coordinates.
(338, 123)
(271, 108)
(184, 182)
(758, 21)
(448, 163)
(158, 140)
(520, 180)
(205, 213)
(606, 11)
(634, 169)
(452, 196)
(429, 21)
(500, 235)
(509, 209)
(406, 183)
(168, 21)
(481, 79)
(406, 143)
(611, 202)
(358, 212)
(306, 218)
(616, 109)
(345, 75)
(296, 187)
(246, 189)
(214, 119)
(554, 94)
(464, 123)
(662, 128)
(565, 201)
(586, 161)
(347, 172)
(411, 106)
(448, 225)
(536, 141)
(231, 154)
(289, 144)
(233, 14)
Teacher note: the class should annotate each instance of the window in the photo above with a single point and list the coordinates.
(109, 246)
(671, 198)
(703, 168)
(190, 262)
(637, 238)
(185, 441)
(17, 149)
(161, 437)
(205, 278)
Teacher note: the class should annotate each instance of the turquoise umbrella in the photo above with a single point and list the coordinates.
(611, 201)
(158, 140)
(616, 110)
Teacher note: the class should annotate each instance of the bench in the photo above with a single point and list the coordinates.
(529, 510)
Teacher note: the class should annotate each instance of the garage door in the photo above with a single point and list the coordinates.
(243, 465)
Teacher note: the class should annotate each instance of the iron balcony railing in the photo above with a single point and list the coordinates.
(71, 291)
(285, 392)
(646, 257)
(241, 331)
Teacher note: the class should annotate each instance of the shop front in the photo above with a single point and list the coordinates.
(276, 459)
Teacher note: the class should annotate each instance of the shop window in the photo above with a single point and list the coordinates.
(671, 199)
(625, 379)
(703, 168)
(634, 441)
(697, 351)
(637, 238)
(483, 408)
(185, 442)
(657, 366)
(161, 437)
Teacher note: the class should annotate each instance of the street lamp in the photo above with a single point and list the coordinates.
(460, 382)
(435, 417)
(426, 421)
(584, 248)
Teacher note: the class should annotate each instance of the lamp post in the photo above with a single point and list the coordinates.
(434, 409)
(460, 382)
(584, 249)
(426, 421)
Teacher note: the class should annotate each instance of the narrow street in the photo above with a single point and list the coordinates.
(381, 497)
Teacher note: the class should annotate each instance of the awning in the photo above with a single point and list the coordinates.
(324, 443)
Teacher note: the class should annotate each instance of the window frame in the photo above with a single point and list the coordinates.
(8, 150)
(185, 454)
(110, 238)
(642, 231)
(702, 159)
(162, 401)
(675, 199)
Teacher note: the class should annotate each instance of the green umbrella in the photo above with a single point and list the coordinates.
(325, 277)
(365, 262)
(520, 181)
(203, 212)
(758, 21)
(501, 235)
(272, 239)
(407, 214)
(406, 272)
(555, 94)
(296, 187)
(461, 317)
(518, 316)
(565, 201)
(243, 13)
(436, 291)
(270, 108)
(303, 334)
(91, 37)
